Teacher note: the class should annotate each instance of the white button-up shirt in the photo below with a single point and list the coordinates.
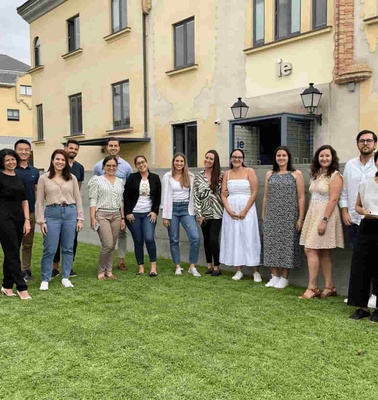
(354, 173)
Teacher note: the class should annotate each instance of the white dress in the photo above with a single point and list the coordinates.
(240, 240)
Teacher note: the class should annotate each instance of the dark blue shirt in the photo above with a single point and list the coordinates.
(78, 170)
(29, 177)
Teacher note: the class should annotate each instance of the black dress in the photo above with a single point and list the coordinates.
(12, 194)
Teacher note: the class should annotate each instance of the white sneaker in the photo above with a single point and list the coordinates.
(67, 283)
(238, 276)
(257, 277)
(194, 271)
(44, 286)
(273, 281)
(282, 283)
(372, 301)
(346, 300)
(178, 271)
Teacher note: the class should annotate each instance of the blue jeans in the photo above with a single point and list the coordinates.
(180, 214)
(143, 231)
(61, 223)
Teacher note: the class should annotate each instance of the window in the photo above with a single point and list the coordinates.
(319, 14)
(185, 141)
(13, 115)
(121, 105)
(73, 25)
(37, 59)
(119, 15)
(76, 116)
(258, 22)
(288, 18)
(184, 43)
(39, 122)
(25, 90)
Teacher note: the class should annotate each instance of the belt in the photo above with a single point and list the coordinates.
(180, 201)
(61, 205)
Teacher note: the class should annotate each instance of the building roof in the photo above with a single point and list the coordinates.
(10, 70)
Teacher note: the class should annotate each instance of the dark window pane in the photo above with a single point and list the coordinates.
(36, 52)
(190, 42)
(319, 13)
(79, 115)
(191, 150)
(179, 46)
(40, 122)
(259, 26)
(179, 139)
(117, 106)
(283, 18)
(121, 105)
(125, 105)
(73, 25)
(123, 14)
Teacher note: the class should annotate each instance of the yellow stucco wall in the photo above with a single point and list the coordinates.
(10, 98)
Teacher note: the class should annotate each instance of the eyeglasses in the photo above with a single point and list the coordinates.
(140, 163)
(363, 141)
(235, 158)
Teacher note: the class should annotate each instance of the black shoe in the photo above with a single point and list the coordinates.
(27, 275)
(360, 313)
(209, 271)
(72, 273)
(216, 272)
(55, 272)
(374, 316)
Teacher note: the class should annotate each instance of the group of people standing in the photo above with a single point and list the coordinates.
(223, 204)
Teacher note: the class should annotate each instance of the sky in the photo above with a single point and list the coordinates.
(14, 31)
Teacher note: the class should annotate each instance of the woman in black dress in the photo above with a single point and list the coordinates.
(14, 223)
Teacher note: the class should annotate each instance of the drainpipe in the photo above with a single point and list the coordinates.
(145, 100)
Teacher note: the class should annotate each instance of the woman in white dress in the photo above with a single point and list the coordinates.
(240, 241)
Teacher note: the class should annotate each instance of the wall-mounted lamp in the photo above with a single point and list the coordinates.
(311, 98)
(239, 109)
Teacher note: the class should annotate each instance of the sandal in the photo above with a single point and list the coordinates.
(101, 277)
(110, 276)
(314, 293)
(328, 292)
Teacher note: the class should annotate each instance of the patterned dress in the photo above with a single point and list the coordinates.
(333, 236)
(280, 237)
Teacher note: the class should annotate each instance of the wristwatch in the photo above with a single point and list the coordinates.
(325, 219)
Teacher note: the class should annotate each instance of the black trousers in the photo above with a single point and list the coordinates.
(58, 250)
(364, 267)
(11, 233)
(210, 230)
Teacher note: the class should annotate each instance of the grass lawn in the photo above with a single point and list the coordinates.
(175, 337)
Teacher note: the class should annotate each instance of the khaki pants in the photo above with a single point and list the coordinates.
(27, 245)
(110, 226)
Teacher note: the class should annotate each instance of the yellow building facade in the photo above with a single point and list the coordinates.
(162, 76)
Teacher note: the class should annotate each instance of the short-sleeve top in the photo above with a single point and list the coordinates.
(12, 194)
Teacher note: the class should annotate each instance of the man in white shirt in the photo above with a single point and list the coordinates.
(357, 170)
(123, 171)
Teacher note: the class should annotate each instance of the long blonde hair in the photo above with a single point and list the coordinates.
(184, 181)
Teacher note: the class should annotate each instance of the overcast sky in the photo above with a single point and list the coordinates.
(14, 31)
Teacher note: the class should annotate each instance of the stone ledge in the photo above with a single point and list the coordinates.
(117, 35)
(354, 73)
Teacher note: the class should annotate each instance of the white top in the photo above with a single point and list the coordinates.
(105, 196)
(166, 196)
(369, 195)
(354, 173)
(178, 193)
(144, 203)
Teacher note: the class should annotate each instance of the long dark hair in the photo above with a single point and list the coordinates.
(232, 152)
(276, 167)
(315, 165)
(8, 152)
(66, 170)
(215, 173)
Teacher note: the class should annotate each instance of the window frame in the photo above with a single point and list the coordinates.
(259, 42)
(123, 117)
(191, 164)
(184, 23)
(76, 121)
(122, 4)
(26, 91)
(73, 30)
(37, 52)
(40, 132)
(276, 21)
(13, 114)
(324, 24)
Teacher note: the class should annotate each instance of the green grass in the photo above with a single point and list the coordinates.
(182, 337)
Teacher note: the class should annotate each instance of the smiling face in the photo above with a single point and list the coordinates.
(178, 163)
(71, 149)
(282, 158)
(110, 167)
(59, 162)
(325, 158)
(366, 144)
(23, 151)
(237, 158)
(141, 164)
(10, 163)
(113, 148)
(209, 160)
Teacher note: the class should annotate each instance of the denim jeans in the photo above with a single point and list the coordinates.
(143, 231)
(181, 215)
(61, 223)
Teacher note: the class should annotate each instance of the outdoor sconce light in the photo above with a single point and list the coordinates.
(239, 109)
(311, 98)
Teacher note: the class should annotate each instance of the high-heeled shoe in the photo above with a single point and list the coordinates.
(328, 292)
(28, 297)
(6, 294)
(313, 293)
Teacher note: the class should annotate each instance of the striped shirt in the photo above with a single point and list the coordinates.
(105, 196)
(206, 203)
